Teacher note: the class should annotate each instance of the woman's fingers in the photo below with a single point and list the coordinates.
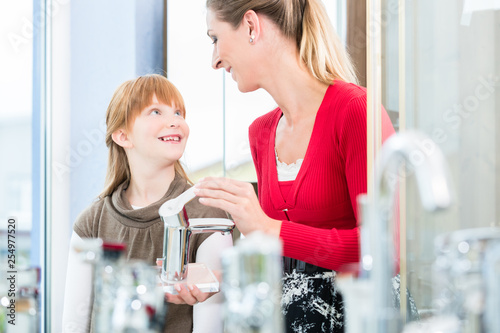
(219, 203)
(222, 193)
(239, 200)
(216, 194)
(225, 184)
(232, 191)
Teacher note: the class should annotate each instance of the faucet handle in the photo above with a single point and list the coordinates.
(174, 206)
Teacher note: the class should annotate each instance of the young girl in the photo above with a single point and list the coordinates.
(146, 136)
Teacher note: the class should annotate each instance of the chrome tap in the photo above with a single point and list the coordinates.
(429, 166)
(252, 285)
(177, 233)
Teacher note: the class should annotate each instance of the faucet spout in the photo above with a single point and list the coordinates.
(427, 162)
(224, 226)
(177, 233)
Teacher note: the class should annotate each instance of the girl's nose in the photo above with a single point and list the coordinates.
(173, 122)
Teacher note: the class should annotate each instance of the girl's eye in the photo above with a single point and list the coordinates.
(214, 39)
(155, 112)
(178, 113)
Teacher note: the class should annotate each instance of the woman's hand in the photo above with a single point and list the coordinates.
(240, 201)
(187, 294)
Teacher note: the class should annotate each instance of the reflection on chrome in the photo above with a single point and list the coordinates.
(466, 278)
(426, 161)
(252, 285)
(177, 233)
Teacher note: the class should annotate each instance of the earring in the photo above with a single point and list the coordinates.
(252, 38)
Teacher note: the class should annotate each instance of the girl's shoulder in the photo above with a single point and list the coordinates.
(86, 221)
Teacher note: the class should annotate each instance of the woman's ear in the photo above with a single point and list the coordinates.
(120, 137)
(251, 22)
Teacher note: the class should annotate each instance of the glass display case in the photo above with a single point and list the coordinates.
(440, 74)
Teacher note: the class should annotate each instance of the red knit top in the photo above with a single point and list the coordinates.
(318, 208)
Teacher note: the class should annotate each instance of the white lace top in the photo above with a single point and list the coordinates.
(287, 171)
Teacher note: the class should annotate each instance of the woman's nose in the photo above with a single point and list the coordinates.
(216, 62)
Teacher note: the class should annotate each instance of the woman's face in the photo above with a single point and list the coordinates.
(159, 132)
(232, 51)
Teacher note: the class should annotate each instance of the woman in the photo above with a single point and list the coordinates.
(309, 153)
(146, 136)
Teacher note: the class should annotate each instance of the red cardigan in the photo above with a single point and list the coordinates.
(319, 211)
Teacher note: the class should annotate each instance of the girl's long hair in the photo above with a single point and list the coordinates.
(304, 21)
(129, 99)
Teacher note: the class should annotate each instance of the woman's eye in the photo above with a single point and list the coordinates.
(214, 39)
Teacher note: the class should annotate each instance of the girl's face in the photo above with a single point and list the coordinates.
(232, 51)
(159, 131)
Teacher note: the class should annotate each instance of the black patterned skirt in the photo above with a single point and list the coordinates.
(311, 302)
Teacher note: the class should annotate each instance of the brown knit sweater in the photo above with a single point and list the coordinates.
(113, 219)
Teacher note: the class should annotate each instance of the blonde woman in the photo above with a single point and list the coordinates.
(309, 153)
(146, 136)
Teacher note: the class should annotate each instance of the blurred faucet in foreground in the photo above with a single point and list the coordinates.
(466, 275)
(426, 160)
(252, 285)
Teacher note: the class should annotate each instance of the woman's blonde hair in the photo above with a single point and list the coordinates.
(129, 99)
(304, 21)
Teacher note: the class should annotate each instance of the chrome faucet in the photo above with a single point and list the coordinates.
(252, 285)
(177, 233)
(377, 258)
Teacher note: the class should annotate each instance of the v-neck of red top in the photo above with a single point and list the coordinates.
(287, 199)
